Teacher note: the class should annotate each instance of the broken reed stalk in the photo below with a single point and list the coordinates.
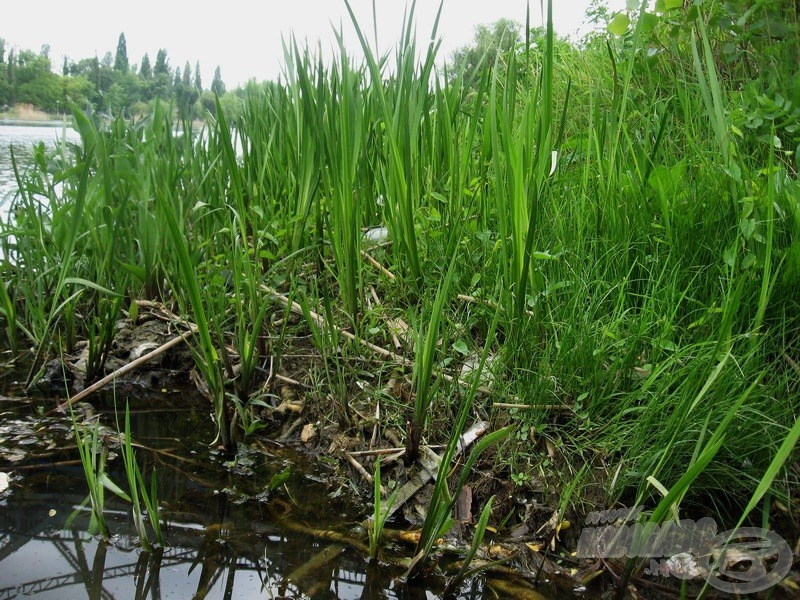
(123, 370)
(378, 266)
(362, 471)
(531, 406)
(320, 321)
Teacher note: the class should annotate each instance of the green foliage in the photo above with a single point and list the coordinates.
(93, 455)
(217, 85)
(628, 207)
(140, 493)
(379, 513)
(492, 44)
(121, 57)
(108, 85)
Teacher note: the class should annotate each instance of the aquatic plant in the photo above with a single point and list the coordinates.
(93, 455)
(615, 204)
(140, 492)
(438, 518)
(380, 512)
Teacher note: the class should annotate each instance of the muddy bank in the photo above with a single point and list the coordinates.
(530, 549)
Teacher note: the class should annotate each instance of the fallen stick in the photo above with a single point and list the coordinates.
(531, 406)
(122, 370)
(430, 466)
(363, 472)
(321, 322)
(378, 265)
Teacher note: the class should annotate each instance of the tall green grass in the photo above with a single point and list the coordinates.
(642, 249)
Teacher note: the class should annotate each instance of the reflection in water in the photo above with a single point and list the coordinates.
(227, 536)
(23, 139)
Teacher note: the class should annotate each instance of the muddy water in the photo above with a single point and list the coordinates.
(228, 535)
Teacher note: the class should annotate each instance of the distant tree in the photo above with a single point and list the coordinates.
(162, 65)
(121, 64)
(198, 82)
(2, 50)
(186, 79)
(176, 81)
(145, 70)
(207, 103)
(65, 68)
(217, 85)
(78, 90)
(34, 82)
(5, 89)
(489, 42)
(185, 93)
(45, 51)
(10, 77)
(162, 78)
(30, 66)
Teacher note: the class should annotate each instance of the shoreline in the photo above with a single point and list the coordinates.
(35, 122)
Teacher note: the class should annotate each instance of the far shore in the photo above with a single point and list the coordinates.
(26, 115)
(35, 122)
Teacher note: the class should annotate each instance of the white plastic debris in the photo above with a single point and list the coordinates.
(376, 235)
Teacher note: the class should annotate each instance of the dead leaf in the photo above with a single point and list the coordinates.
(308, 433)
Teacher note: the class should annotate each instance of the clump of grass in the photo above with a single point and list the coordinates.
(653, 261)
(140, 492)
(438, 519)
(93, 455)
(380, 513)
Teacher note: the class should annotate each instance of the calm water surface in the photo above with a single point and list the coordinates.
(228, 535)
(23, 139)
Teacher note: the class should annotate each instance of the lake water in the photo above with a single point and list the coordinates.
(229, 534)
(23, 139)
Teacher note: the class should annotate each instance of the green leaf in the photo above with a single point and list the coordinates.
(113, 487)
(748, 227)
(730, 256)
(89, 284)
(460, 346)
(649, 22)
(619, 24)
(667, 5)
(279, 479)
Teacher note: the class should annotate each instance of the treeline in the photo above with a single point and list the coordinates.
(108, 85)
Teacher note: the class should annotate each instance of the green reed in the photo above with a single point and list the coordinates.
(661, 238)
(93, 456)
(380, 512)
(140, 492)
(343, 138)
(207, 356)
(404, 106)
(438, 518)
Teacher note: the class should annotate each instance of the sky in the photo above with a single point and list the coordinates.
(243, 37)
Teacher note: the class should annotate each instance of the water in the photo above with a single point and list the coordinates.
(23, 139)
(228, 535)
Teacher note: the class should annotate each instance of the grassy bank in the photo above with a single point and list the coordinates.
(637, 244)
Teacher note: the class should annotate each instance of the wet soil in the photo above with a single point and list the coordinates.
(281, 515)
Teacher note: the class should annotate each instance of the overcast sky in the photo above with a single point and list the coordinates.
(244, 37)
